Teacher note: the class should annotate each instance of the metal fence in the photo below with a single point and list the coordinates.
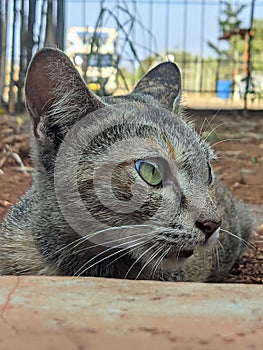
(219, 51)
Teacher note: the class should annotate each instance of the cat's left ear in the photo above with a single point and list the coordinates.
(56, 94)
(163, 83)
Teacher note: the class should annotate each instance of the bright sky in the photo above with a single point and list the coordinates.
(179, 25)
(189, 23)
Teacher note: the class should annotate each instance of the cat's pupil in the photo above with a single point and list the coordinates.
(149, 172)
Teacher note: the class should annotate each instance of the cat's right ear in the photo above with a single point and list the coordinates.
(55, 92)
(163, 83)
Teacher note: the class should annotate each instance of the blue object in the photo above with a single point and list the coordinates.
(223, 88)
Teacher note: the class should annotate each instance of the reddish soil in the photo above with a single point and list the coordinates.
(238, 141)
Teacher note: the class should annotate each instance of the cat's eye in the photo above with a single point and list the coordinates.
(149, 172)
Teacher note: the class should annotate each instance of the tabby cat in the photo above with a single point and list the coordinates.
(123, 186)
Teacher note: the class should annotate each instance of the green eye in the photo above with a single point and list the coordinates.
(149, 172)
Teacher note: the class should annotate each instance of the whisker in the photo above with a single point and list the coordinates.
(214, 129)
(159, 261)
(243, 241)
(221, 245)
(148, 261)
(202, 125)
(216, 254)
(209, 123)
(178, 252)
(105, 244)
(81, 271)
(217, 246)
(122, 255)
(225, 140)
(77, 242)
(139, 258)
(90, 235)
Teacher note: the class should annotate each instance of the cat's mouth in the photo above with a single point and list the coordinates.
(186, 253)
(176, 259)
(182, 254)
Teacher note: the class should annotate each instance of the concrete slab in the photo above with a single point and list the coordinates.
(95, 313)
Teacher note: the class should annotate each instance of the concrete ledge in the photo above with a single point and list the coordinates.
(95, 313)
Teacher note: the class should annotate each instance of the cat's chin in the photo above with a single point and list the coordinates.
(172, 264)
(173, 261)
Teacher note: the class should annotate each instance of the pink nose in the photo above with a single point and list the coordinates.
(208, 227)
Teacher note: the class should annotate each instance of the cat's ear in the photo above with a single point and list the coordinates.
(55, 92)
(163, 83)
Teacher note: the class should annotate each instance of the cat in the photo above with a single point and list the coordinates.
(123, 186)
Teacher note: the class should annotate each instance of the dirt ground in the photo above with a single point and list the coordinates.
(237, 139)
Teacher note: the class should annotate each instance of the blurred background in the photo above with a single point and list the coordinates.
(218, 45)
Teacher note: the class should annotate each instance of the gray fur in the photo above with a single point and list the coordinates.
(36, 238)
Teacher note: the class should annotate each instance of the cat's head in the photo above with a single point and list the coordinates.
(130, 175)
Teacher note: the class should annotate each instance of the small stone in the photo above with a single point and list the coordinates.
(247, 171)
(5, 204)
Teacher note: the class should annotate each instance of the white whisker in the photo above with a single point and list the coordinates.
(93, 234)
(221, 245)
(243, 241)
(209, 122)
(106, 243)
(149, 261)
(139, 258)
(213, 130)
(159, 261)
(202, 125)
(225, 140)
(215, 252)
(81, 271)
(122, 255)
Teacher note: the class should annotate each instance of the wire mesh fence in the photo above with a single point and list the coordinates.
(217, 44)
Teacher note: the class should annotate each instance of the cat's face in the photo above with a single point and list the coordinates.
(131, 176)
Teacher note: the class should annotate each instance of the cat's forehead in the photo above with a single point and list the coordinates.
(157, 130)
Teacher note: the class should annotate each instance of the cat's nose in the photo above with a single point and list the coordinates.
(208, 227)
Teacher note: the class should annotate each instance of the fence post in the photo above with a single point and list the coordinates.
(250, 36)
(11, 96)
(3, 25)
